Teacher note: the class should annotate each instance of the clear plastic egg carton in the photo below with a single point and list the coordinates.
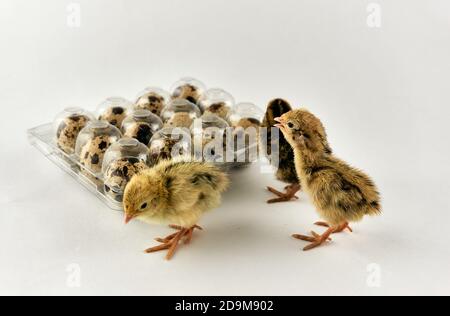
(42, 137)
(104, 149)
(94, 152)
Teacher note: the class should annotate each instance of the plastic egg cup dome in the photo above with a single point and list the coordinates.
(114, 110)
(67, 126)
(246, 111)
(209, 132)
(125, 148)
(93, 142)
(122, 161)
(212, 99)
(188, 88)
(152, 99)
(141, 125)
(180, 106)
(208, 121)
(164, 141)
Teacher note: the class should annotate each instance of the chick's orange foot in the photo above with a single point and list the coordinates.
(338, 229)
(316, 240)
(172, 241)
(289, 195)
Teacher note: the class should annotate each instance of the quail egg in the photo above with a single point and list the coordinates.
(152, 99)
(142, 125)
(189, 89)
(68, 125)
(114, 111)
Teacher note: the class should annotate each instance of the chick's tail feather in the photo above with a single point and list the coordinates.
(374, 209)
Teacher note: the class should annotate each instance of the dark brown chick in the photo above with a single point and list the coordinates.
(286, 169)
(340, 193)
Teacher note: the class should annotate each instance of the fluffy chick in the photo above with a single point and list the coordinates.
(176, 192)
(341, 193)
(286, 169)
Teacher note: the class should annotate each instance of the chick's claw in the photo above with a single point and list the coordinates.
(304, 238)
(158, 248)
(172, 241)
(316, 240)
(284, 197)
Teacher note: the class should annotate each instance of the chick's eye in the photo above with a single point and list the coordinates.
(291, 125)
(144, 206)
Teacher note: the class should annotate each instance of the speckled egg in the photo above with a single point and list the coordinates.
(220, 109)
(114, 110)
(187, 92)
(153, 100)
(142, 125)
(181, 120)
(246, 115)
(68, 130)
(218, 102)
(141, 131)
(114, 115)
(248, 122)
(92, 143)
(93, 151)
(211, 134)
(118, 174)
(163, 143)
(188, 89)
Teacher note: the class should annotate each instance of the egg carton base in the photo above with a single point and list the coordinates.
(41, 138)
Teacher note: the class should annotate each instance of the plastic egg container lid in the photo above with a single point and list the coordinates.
(208, 121)
(246, 110)
(114, 102)
(143, 116)
(154, 91)
(216, 96)
(170, 134)
(188, 81)
(125, 148)
(96, 129)
(180, 106)
(71, 112)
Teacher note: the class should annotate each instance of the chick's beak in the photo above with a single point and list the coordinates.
(279, 120)
(128, 218)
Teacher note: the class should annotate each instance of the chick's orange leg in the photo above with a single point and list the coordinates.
(339, 229)
(172, 241)
(316, 240)
(289, 195)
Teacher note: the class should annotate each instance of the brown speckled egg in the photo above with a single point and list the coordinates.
(119, 173)
(249, 122)
(93, 151)
(220, 109)
(141, 131)
(187, 92)
(68, 130)
(181, 120)
(163, 143)
(114, 115)
(151, 101)
(163, 152)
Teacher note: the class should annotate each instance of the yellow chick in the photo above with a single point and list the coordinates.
(176, 192)
(340, 193)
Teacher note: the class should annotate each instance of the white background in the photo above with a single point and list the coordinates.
(383, 94)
